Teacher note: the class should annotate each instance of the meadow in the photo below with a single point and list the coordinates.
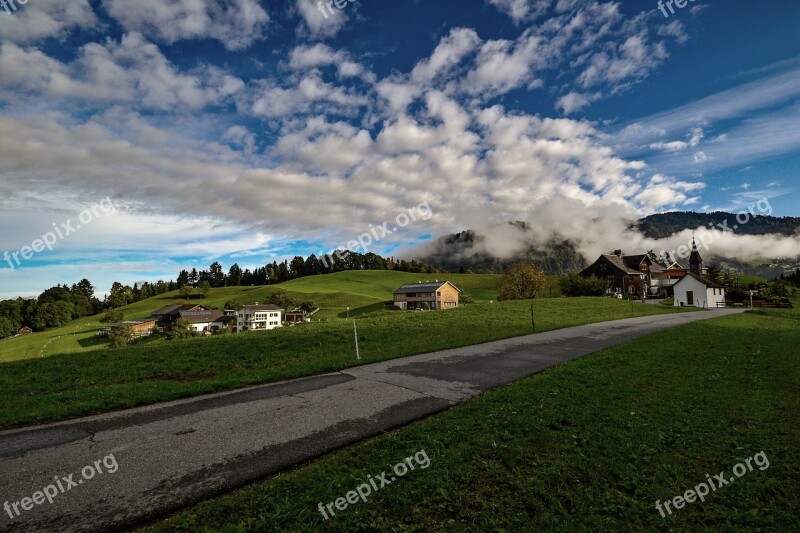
(58, 387)
(587, 446)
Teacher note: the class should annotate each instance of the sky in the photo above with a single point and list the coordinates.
(140, 138)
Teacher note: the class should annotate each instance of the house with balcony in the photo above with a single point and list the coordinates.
(259, 317)
(427, 296)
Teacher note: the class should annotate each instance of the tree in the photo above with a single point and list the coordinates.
(234, 278)
(112, 316)
(186, 291)
(180, 329)
(120, 295)
(522, 281)
(215, 275)
(183, 278)
(233, 304)
(204, 287)
(193, 277)
(280, 298)
(52, 315)
(120, 336)
(6, 328)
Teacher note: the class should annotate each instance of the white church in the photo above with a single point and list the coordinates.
(695, 289)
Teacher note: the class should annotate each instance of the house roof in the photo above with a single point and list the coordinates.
(711, 284)
(619, 263)
(262, 307)
(174, 309)
(199, 317)
(428, 286)
(633, 261)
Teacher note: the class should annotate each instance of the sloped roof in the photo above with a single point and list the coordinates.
(711, 284)
(619, 263)
(633, 261)
(423, 287)
(198, 317)
(176, 308)
(262, 307)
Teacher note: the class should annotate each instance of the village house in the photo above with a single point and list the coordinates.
(259, 317)
(168, 314)
(626, 274)
(695, 289)
(635, 276)
(428, 296)
(204, 321)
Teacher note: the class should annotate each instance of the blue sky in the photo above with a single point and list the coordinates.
(246, 131)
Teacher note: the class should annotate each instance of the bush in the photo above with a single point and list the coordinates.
(576, 285)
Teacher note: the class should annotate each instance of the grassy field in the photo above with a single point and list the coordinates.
(363, 292)
(58, 387)
(587, 446)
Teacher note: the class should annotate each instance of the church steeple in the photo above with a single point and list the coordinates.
(695, 261)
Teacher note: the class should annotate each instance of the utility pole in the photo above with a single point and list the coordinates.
(355, 333)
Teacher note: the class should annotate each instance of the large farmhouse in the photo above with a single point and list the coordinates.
(436, 295)
(635, 276)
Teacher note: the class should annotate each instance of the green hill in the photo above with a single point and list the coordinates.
(363, 291)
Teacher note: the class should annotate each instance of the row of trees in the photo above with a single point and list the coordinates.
(298, 267)
(53, 308)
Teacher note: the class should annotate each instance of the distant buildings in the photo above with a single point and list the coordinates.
(635, 276)
(429, 296)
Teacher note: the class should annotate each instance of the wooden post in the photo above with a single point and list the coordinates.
(533, 321)
(355, 333)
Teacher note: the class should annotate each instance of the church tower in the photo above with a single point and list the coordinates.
(695, 261)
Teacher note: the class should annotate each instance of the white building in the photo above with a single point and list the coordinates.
(697, 291)
(203, 321)
(259, 317)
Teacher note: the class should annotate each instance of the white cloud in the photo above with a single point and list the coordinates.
(522, 10)
(237, 24)
(321, 23)
(46, 18)
(575, 101)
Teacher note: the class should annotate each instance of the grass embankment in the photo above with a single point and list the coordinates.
(58, 387)
(364, 292)
(587, 446)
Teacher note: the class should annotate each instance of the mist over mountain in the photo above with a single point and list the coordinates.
(757, 244)
(663, 225)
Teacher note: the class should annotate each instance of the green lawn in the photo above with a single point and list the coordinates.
(53, 388)
(587, 446)
(364, 292)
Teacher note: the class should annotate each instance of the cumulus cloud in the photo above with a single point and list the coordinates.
(237, 24)
(46, 18)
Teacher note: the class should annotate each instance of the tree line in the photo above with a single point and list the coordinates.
(63, 303)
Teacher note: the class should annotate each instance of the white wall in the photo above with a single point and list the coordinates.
(703, 296)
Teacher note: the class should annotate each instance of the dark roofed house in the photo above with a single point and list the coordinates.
(170, 313)
(626, 274)
(436, 295)
(205, 320)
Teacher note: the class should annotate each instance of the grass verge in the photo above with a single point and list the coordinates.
(590, 445)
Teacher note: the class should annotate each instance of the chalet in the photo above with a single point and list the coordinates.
(24, 330)
(204, 321)
(695, 289)
(627, 274)
(170, 313)
(259, 317)
(436, 295)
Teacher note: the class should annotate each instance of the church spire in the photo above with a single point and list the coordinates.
(695, 261)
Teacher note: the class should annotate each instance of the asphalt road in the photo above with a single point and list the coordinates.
(131, 466)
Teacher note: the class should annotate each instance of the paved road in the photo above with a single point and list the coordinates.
(160, 458)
